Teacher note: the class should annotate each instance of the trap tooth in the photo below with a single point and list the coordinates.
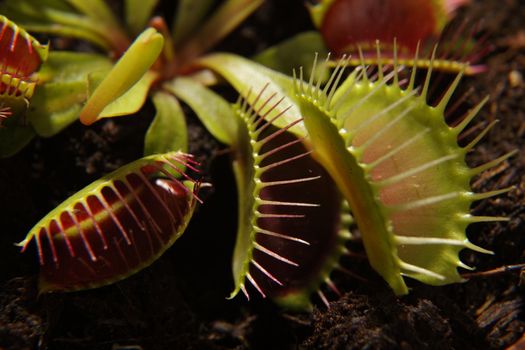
(290, 213)
(399, 166)
(115, 226)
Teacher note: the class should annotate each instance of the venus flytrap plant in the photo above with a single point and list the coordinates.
(392, 212)
(303, 156)
(392, 108)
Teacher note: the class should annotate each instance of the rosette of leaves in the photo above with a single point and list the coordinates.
(94, 86)
(168, 65)
(21, 56)
(150, 64)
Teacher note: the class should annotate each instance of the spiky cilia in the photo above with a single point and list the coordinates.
(115, 226)
(5, 113)
(286, 245)
(399, 166)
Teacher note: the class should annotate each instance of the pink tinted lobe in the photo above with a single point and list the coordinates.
(18, 58)
(348, 23)
(17, 52)
(119, 231)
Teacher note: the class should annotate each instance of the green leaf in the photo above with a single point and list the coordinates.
(295, 52)
(56, 105)
(247, 76)
(214, 112)
(64, 89)
(64, 66)
(138, 13)
(92, 23)
(168, 130)
(96, 9)
(128, 103)
(58, 18)
(223, 21)
(189, 15)
(28, 9)
(131, 68)
(68, 32)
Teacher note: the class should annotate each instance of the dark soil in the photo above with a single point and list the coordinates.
(179, 302)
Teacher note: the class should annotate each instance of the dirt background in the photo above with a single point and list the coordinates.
(179, 302)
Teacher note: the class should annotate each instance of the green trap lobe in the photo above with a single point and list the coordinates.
(399, 166)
